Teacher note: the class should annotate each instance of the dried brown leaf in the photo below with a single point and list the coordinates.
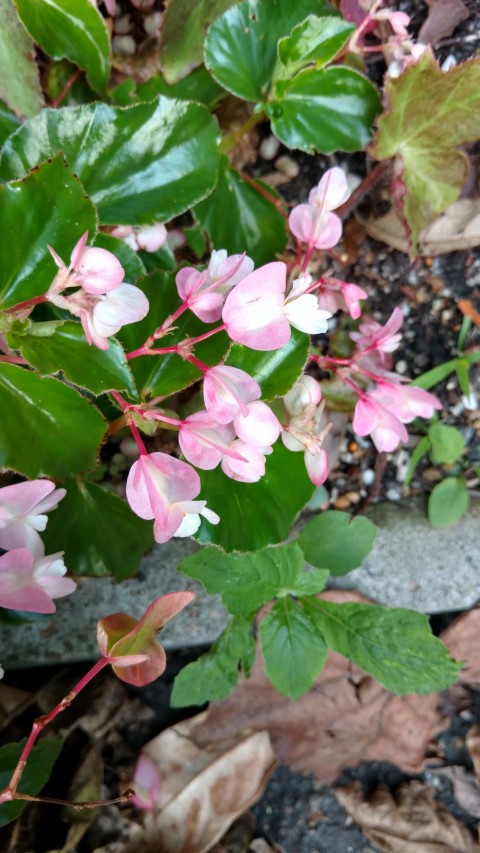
(461, 637)
(443, 18)
(458, 228)
(408, 820)
(203, 790)
(465, 788)
(359, 719)
(472, 742)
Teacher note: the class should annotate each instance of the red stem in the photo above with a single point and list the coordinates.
(68, 85)
(28, 303)
(126, 409)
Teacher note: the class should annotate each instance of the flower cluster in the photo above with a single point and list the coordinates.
(103, 302)
(29, 580)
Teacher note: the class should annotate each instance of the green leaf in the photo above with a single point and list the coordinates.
(48, 429)
(8, 123)
(309, 583)
(70, 29)
(48, 207)
(462, 371)
(67, 351)
(214, 675)
(275, 371)
(165, 374)
(396, 646)
(241, 45)
(138, 164)
(198, 86)
(98, 532)
(130, 260)
(19, 78)
(315, 40)
(447, 444)
(256, 514)
(324, 111)
(419, 451)
(435, 375)
(448, 501)
(293, 647)
(246, 581)
(259, 228)
(183, 32)
(37, 771)
(430, 114)
(337, 542)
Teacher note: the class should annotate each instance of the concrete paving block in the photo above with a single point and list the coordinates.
(411, 565)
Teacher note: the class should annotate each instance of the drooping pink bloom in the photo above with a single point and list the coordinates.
(193, 511)
(163, 488)
(406, 402)
(317, 465)
(314, 223)
(259, 426)
(372, 418)
(22, 513)
(306, 427)
(373, 336)
(94, 269)
(335, 295)
(248, 464)
(146, 782)
(302, 309)
(203, 441)
(30, 583)
(104, 315)
(205, 292)
(306, 393)
(227, 391)
(253, 312)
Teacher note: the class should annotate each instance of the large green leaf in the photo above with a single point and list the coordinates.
(19, 78)
(447, 444)
(256, 514)
(293, 647)
(259, 227)
(276, 370)
(198, 86)
(48, 429)
(448, 501)
(430, 114)
(48, 207)
(241, 45)
(66, 350)
(335, 541)
(8, 123)
(215, 674)
(324, 110)
(138, 164)
(396, 646)
(165, 374)
(315, 40)
(70, 29)
(246, 581)
(98, 532)
(183, 32)
(37, 771)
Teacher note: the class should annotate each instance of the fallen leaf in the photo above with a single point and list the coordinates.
(458, 228)
(461, 637)
(203, 790)
(472, 742)
(359, 719)
(408, 820)
(465, 788)
(442, 19)
(430, 114)
(468, 310)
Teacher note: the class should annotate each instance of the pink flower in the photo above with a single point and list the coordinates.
(95, 270)
(205, 292)
(193, 511)
(317, 465)
(163, 488)
(335, 295)
(306, 393)
(30, 583)
(302, 309)
(227, 391)
(150, 238)
(147, 783)
(306, 428)
(22, 513)
(104, 315)
(406, 402)
(248, 464)
(313, 223)
(259, 426)
(372, 418)
(253, 312)
(373, 336)
(203, 441)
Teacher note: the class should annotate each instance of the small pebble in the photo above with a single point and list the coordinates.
(287, 166)
(124, 44)
(122, 25)
(152, 24)
(269, 147)
(393, 494)
(449, 62)
(446, 316)
(401, 366)
(353, 497)
(368, 476)
(431, 475)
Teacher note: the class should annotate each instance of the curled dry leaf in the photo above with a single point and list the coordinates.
(465, 788)
(472, 741)
(458, 228)
(359, 719)
(408, 820)
(443, 18)
(202, 790)
(461, 637)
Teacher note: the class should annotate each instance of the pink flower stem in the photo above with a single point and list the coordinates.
(9, 793)
(126, 409)
(193, 341)
(28, 303)
(277, 203)
(308, 255)
(13, 359)
(162, 330)
(200, 364)
(326, 360)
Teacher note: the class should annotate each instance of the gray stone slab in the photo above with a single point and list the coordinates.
(411, 565)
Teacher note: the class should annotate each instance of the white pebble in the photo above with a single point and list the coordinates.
(124, 44)
(368, 476)
(401, 366)
(269, 147)
(393, 494)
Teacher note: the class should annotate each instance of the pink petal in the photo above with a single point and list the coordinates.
(249, 471)
(318, 466)
(189, 281)
(332, 190)
(253, 309)
(99, 270)
(259, 427)
(147, 783)
(227, 390)
(152, 237)
(126, 304)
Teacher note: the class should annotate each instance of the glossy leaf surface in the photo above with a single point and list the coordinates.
(48, 207)
(275, 370)
(8, 122)
(239, 219)
(139, 164)
(315, 40)
(197, 86)
(48, 429)
(183, 32)
(254, 515)
(70, 29)
(19, 78)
